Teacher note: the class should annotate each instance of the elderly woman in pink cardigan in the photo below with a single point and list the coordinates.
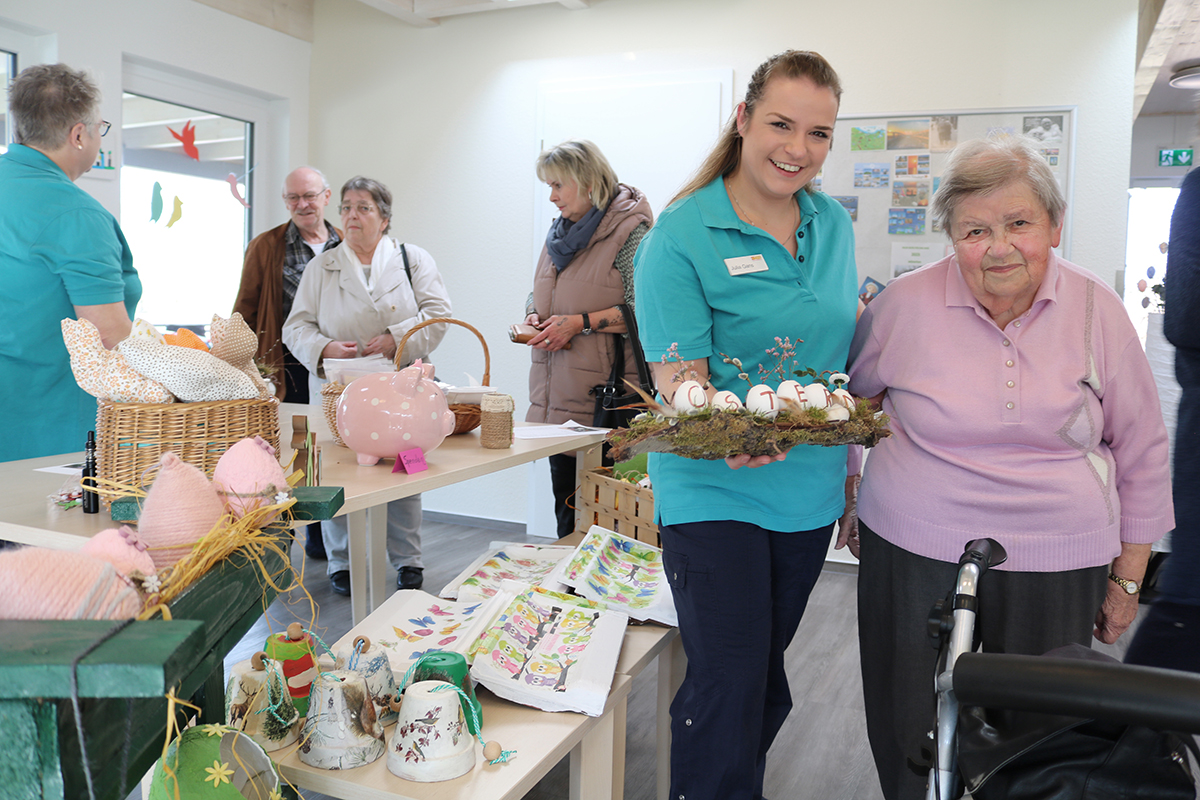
(1022, 409)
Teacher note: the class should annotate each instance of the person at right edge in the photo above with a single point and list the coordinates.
(1169, 636)
(743, 548)
(1022, 409)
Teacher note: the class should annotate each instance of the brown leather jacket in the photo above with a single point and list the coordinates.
(260, 298)
(559, 381)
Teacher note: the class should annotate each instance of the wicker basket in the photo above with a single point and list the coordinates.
(466, 415)
(330, 393)
(617, 505)
(131, 437)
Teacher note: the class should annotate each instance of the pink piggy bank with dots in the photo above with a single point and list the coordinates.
(387, 413)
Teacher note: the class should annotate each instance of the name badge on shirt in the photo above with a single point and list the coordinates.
(743, 265)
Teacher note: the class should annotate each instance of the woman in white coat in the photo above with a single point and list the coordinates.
(360, 299)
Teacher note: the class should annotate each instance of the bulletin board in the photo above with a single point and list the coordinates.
(885, 170)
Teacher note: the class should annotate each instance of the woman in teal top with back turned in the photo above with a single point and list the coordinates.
(61, 255)
(745, 254)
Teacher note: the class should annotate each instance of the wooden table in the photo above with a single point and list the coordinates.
(368, 489)
(542, 738)
(28, 517)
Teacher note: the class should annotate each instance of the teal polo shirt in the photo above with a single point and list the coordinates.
(59, 248)
(687, 296)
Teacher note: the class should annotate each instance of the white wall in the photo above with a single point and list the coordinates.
(446, 117)
(196, 43)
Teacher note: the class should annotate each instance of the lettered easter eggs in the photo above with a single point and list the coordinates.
(763, 400)
(690, 396)
(726, 401)
(791, 392)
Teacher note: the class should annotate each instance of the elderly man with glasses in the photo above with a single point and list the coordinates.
(275, 260)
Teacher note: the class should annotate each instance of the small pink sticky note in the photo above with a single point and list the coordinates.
(410, 461)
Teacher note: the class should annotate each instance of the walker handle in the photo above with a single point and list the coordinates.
(1157, 698)
(984, 552)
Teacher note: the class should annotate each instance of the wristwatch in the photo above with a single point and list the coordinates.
(1130, 587)
(587, 325)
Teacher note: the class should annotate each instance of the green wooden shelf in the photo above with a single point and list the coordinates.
(144, 659)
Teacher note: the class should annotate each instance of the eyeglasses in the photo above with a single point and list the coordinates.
(363, 209)
(308, 197)
(104, 126)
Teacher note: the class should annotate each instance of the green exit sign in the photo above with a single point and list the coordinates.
(1175, 158)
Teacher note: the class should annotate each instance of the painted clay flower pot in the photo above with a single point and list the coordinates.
(295, 649)
(341, 730)
(450, 667)
(214, 761)
(430, 741)
(375, 667)
(386, 413)
(258, 704)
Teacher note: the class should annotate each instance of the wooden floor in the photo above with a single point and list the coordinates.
(821, 752)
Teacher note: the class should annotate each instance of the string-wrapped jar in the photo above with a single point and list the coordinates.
(496, 421)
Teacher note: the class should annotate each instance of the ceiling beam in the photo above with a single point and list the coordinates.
(575, 4)
(1172, 16)
(402, 10)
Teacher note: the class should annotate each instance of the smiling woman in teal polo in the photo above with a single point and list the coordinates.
(61, 255)
(747, 253)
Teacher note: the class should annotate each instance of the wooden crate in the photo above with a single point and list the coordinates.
(623, 507)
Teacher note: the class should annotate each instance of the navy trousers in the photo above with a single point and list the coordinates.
(739, 591)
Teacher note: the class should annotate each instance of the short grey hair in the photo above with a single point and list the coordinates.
(581, 162)
(980, 166)
(47, 101)
(321, 175)
(379, 193)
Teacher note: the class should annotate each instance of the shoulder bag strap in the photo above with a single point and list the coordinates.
(639, 358)
(407, 268)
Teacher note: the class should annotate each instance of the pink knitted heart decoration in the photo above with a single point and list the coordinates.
(122, 548)
(248, 476)
(37, 583)
(180, 508)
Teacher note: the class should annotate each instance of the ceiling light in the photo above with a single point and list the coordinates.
(1186, 78)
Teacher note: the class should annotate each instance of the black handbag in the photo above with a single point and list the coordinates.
(611, 397)
(1021, 755)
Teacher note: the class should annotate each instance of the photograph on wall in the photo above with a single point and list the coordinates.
(910, 194)
(868, 137)
(912, 165)
(907, 257)
(1046, 129)
(850, 203)
(1050, 154)
(869, 290)
(908, 134)
(871, 176)
(943, 133)
(906, 221)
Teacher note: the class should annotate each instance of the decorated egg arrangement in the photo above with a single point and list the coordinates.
(767, 421)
